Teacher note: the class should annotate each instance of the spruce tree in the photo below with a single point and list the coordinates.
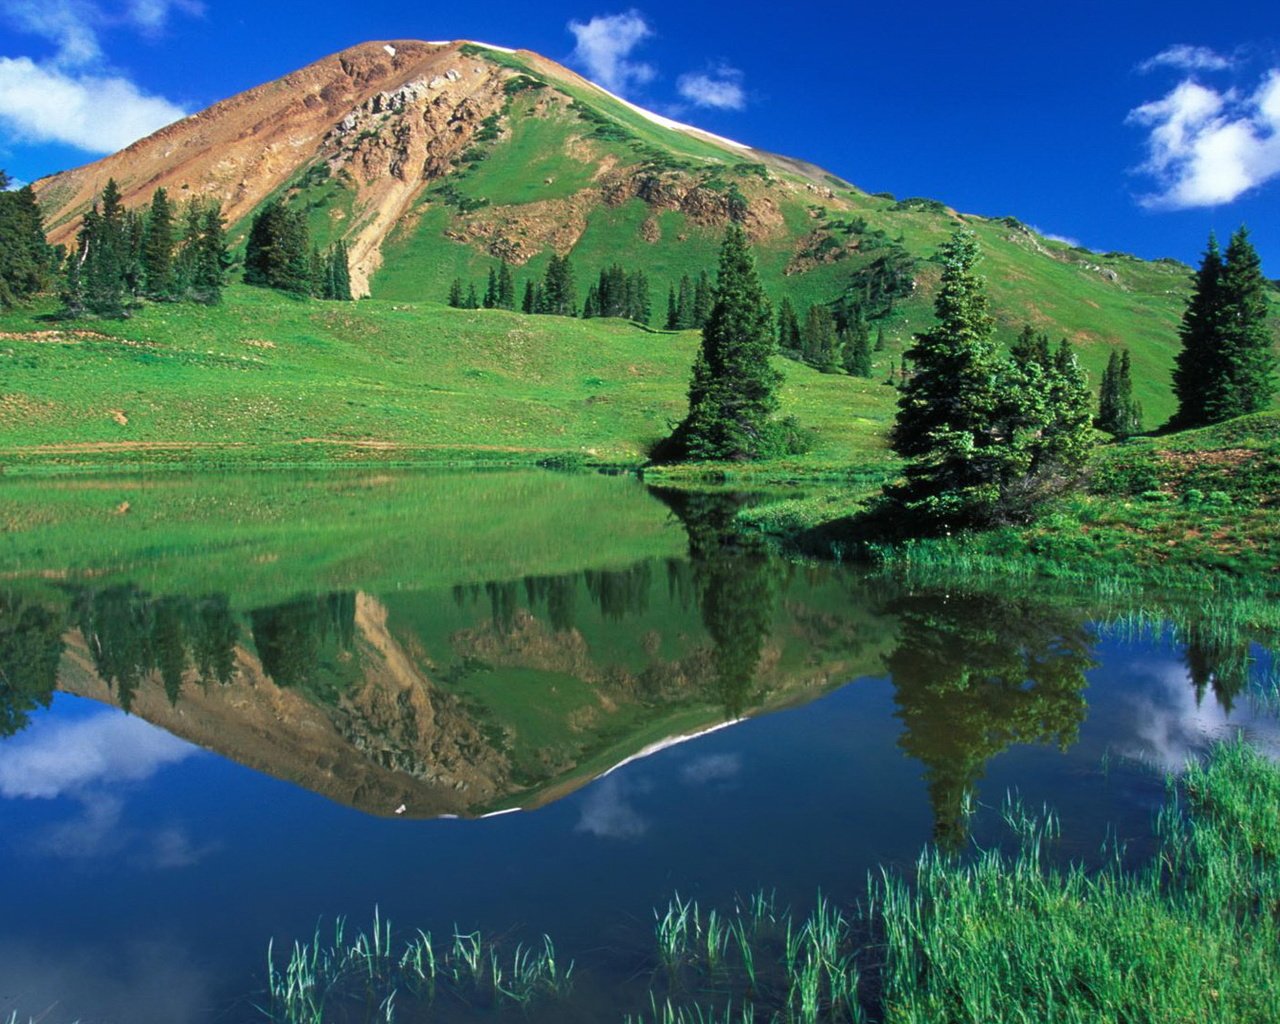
(879, 345)
(455, 293)
(559, 295)
(591, 304)
(26, 261)
(818, 339)
(472, 300)
(857, 354)
(789, 339)
(1249, 379)
(278, 251)
(703, 300)
(684, 305)
(529, 304)
(491, 290)
(733, 393)
(506, 288)
(1118, 411)
(673, 314)
(211, 259)
(157, 248)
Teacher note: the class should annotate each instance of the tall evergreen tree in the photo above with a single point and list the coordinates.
(211, 259)
(26, 261)
(733, 393)
(703, 300)
(472, 300)
(789, 339)
(491, 290)
(278, 251)
(157, 248)
(1226, 366)
(819, 342)
(673, 314)
(984, 436)
(879, 345)
(591, 304)
(559, 292)
(529, 305)
(857, 345)
(506, 287)
(455, 293)
(684, 305)
(1118, 412)
(1249, 380)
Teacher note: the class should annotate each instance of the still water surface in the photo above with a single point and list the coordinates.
(237, 707)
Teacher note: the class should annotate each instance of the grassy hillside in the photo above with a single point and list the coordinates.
(268, 380)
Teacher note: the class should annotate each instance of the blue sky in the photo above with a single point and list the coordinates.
(1132, 125)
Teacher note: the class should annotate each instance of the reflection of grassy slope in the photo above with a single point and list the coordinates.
(263, 377)
(558, 727)
(265, 538)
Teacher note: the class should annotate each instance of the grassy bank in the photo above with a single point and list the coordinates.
(1197, 509)
(1190, 935)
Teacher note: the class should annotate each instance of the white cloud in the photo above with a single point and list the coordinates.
(52, 759)
(604, 48)
(1206, 147)
(99, 114)
(607, 811)
(720, 88)
(1052, 237)
(75, 26)
(1187, 58)
(712, 768)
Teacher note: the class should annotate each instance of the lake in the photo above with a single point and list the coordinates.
(523, 703)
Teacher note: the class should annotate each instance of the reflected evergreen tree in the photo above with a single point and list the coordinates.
(975, 674)
(214, 638)
(1218, 661)
(117, 624)
(562, 594)
(736, 585)
(504, 602)
(169, 641)
(30, 649)
(621, 593)
(290, 637)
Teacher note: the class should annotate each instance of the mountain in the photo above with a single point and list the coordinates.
(437, 160)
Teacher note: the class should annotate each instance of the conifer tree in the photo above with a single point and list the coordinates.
(157, 248)
(673, 315)
(491, 290)
(26, 261)
(529, 305)
(733, 393)
(703, 300)
(211, 259)
(278, 251)
(639, 307)
(591, 305)
(558, 291)
(684, 305)
(987, 436)
(455, 293)
(818, 339)
(857, 354)
(789, 339)
(1118, 412)
(879, 345)
(506, 288)
(1226, 366)
(472, 300)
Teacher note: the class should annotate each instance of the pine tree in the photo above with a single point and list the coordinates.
(1249, 379)
(819, 343)
(857, 355)
(733, 393)
(703, 301)
(879, 345)
(472, 300)
(211, 259)
(506, 288)
(1226, 366)
(684, 305)
(455, 293)
(278, 251)
(789, 339)
(26, 261)
(591, 305)
(559, 293)
(1118, 412)
(639, 306)
(529, 305)
(157, 248)
(491, 290)
(673, 314)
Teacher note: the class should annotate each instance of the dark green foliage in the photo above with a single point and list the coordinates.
(334, 281)
(559, 294)
(703, 300)
(506, 287)
(819, 344)
(879, 346)
(26, 261)
(1118, 411)
(30, 649)
(986, 437)
(618, 293)
(277, 254)
(491, 290)
(1226, 366)
(788, 328)
(455, 294)
(857, 347)
(158, 247)
(472, 301)
(96, 280)
(733, 393)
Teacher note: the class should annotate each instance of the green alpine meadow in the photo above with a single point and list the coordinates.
(475, 548)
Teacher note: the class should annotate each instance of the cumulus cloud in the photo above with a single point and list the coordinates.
(720, 88)
(75, 26)
(75, 98)
(712, 768)
(604, 50)
(1187, 58)
(607, 811)
(1206, 147)
(53, 759)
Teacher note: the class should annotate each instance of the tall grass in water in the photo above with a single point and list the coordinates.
(1192, 936)
(365, 978)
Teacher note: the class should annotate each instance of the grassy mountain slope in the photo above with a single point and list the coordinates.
(435, 161)
(264, 379)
